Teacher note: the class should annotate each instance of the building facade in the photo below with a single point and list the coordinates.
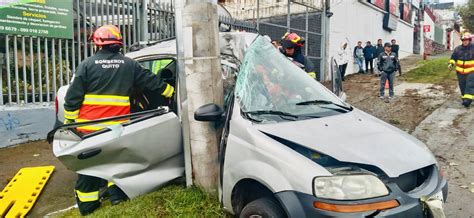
(370, 20)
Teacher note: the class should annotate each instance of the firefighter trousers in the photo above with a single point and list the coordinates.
(87, 193)
(466, 85)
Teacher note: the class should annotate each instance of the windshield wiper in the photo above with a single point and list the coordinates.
(283, 115)
(272, 112)
(316, 102)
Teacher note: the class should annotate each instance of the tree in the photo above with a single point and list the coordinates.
(467, 14)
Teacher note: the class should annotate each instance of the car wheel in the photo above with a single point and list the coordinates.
(263, 207)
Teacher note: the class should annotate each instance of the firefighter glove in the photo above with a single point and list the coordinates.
(450, 66)
(69, 121)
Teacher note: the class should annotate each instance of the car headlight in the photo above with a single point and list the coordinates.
(349, 187)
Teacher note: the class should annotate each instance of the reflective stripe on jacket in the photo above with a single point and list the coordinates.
(101, 106)
(463, 59)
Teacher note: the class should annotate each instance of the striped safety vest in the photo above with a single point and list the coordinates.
(463, 59)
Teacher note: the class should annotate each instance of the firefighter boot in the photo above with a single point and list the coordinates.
(116, 194)
(467, 102)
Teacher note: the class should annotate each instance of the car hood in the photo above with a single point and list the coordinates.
(357, 137)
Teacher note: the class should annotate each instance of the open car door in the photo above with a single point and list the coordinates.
(336, 80)
(138, 156)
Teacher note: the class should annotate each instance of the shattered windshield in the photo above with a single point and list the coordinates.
(271, 88)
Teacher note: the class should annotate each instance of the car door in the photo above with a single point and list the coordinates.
(138, 156)
(336, 80)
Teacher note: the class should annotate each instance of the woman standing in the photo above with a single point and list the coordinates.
(342, 60)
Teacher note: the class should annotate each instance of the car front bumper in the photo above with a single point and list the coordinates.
(297, 204)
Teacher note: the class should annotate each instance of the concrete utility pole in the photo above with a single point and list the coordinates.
(197, 38)
(326, 60)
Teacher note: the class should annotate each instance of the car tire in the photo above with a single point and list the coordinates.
(263, 207)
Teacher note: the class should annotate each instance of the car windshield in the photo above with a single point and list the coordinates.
(271, 88)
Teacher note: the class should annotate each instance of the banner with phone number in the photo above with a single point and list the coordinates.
(46, 18)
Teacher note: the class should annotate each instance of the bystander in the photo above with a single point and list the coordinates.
(369, 52)
(359, 56)
(387, 65)
(378, 50)
(342, 60)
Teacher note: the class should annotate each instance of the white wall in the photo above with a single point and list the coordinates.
(429, 21)
(24, 123)
(354, 21)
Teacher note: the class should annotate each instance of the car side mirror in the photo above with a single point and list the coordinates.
(209, 112)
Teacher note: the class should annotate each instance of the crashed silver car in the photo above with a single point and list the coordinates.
(290, 147)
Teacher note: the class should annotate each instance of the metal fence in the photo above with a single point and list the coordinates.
(232, 24)
(307, 25)
(33, 68)
(276, 17)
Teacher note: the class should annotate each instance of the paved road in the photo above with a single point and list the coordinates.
(448, 132)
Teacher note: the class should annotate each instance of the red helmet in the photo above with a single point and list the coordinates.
(292, 40)
(467, 36)
(107, 35)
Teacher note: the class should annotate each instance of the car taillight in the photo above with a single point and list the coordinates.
(56, 105)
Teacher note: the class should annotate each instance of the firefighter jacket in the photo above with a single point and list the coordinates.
(102, 85)
(463, 59)
(307, 64)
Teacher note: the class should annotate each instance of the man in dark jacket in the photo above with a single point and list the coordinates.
(387, 65)
(395, 46)
(101, 88)
(395, 49)
(462, 60)
(378, 50)
(369, 52)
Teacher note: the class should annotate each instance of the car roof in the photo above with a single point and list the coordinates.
(232, 43)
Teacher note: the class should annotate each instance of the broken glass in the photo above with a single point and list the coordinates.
(269, 81)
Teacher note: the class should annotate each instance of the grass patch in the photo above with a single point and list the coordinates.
(431, 71)
(170, 201)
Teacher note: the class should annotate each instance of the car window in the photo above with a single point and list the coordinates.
(157, 64)
(269, 81)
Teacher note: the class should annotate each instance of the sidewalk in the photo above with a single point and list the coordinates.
(448, 134)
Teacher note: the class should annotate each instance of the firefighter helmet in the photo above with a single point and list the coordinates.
(292, 40)
(107, 35)
(467, 36)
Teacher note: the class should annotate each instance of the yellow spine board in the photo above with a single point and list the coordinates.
(20, 194)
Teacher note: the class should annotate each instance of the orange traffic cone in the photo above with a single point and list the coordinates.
(386, 84)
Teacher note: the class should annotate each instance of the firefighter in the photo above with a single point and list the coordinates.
(159, 65)
(101, 88)
(292, 48)
(462, 60)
